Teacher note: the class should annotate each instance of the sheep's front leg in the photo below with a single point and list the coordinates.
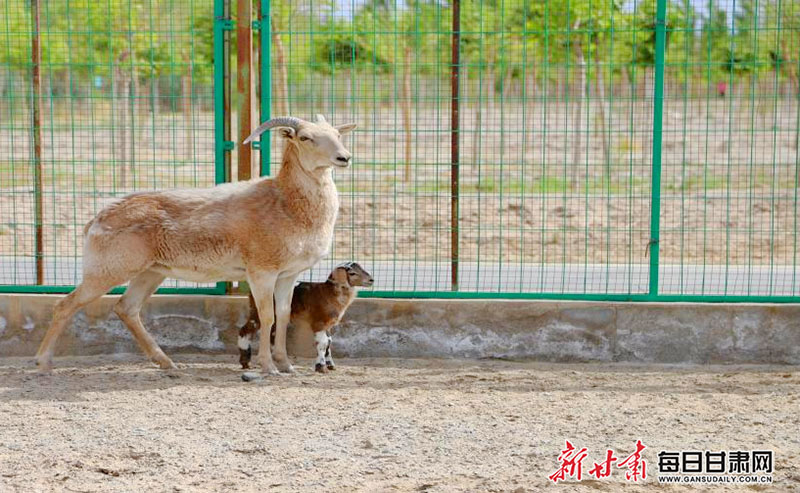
(328, 358)
(284, 288)
(262, 285)
(322, 341)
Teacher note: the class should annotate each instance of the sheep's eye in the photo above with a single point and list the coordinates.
(304, 139)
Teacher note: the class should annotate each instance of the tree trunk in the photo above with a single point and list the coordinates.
(790, 66)
(491, 94)
(530, 100)
(121, 90)
(188, 121)
(601, 110)
(508, 80)
(133, 90)
(576, 128)
(476, 141)
(348, 81)
(406, 102)
(281, 82)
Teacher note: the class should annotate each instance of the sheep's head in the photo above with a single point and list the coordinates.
(352, 274)
(318, 143)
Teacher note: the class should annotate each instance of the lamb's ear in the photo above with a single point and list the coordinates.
(339, 275)
(287, 133)
(347, 127)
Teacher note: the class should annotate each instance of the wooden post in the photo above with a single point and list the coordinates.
(245, 84)
(36, 55)
(454, 143)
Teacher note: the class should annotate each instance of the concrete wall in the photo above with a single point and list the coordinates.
(541, 330)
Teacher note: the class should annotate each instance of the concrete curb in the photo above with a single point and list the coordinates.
(538, 330)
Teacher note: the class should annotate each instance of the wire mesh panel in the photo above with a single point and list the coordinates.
(119, 98)
(554, 132)
(596, 149)
(729, 193)
(357, 62)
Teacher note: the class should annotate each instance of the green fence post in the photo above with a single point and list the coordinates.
(658, 113)
(221, 147)
(266, 84)
(219, 91)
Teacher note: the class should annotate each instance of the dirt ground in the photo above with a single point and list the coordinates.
(117, 424)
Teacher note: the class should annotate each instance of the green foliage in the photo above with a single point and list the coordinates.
(500, 39)
(148, 39)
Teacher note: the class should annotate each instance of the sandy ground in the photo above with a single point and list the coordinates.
(100, 424)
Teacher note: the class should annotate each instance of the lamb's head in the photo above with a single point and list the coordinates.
(352, 274)
(318, 143)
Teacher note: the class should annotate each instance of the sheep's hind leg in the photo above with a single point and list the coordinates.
(328, 358)
(323, 343)
(89, 290)
(129, 307)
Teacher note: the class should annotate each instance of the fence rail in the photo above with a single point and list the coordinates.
(605, 150)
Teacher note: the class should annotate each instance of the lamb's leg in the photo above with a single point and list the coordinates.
(328, 358)
(262, 285)
(89, 290)
(246, 332)
(284, 288)
(129, 307)
(322, 342)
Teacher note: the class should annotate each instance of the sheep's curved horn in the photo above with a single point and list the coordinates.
(281, 121)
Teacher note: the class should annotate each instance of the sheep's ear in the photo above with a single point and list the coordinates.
(347, 127)
(318, 118)
(287, 133)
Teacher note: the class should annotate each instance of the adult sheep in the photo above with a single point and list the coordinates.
(266, 231)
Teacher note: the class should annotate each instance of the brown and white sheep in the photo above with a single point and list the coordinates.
(316, 306)
(266, 231)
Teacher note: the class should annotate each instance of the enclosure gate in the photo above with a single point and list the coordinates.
(593, 150)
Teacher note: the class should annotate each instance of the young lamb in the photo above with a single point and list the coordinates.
(318, 306)
(266, 231)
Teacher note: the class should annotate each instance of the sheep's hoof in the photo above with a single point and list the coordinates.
(331, 366)
(244, 357)
(44, 366)
(270, 370)
(251, 376)
(320, 368)
(284, 365)
(174, 373)
(165, 363)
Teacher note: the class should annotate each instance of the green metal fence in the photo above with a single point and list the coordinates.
(636, 150)
(575, 149)
(116, 97)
